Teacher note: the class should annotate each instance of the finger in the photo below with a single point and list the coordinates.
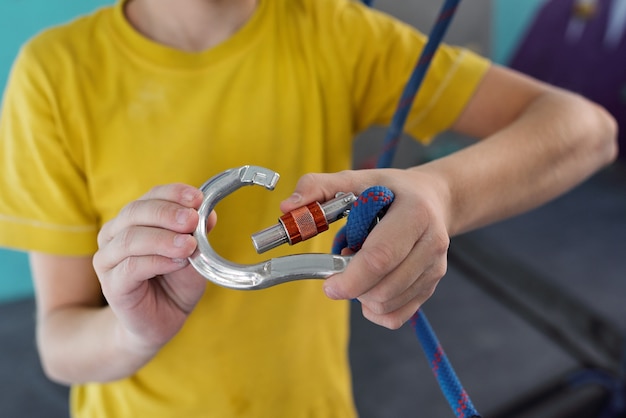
(179, 198)
(321, 187)
(393, 320)
(419, 273)
(386, 247)
(184, 287)
(139, 241)
(133, 272)
(139, 254)
(152, 213)
(183, 194)
(420, 289)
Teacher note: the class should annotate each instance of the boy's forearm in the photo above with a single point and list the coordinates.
(82, 344)
(557, 142)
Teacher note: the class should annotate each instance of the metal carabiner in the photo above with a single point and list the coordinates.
(273, 271)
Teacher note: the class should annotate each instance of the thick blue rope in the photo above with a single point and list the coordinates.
(373, 203)
(370, 206)
(415, 81)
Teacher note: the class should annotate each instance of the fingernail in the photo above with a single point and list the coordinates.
(190, 196)
(295, 198)
(331, 293)
(181, 261)
(182, 215)
(180, 240)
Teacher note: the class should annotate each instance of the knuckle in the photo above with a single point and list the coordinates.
(440, 242)
(158, 190)
(428, 292)
(144, 212)
(431, 279)
(104, 236)
(394, 323)
(125, 239)
(439, 269)
(97, 263)
(383, 297)
(101, 239)
(428, 288)
(127, 266)
(378, 259)
(181, 191)
(130, 211)
(309, 177)
(185, 250)
(164, 214)
(155, 189)
(379, 308)
(380, 295)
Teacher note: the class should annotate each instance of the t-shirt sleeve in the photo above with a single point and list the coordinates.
(380, 54)
(44, 198)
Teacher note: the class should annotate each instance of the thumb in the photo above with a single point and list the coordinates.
(317, 187)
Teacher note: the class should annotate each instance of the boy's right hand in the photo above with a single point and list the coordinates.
(143, 269)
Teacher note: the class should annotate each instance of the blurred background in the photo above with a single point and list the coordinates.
(531, 312)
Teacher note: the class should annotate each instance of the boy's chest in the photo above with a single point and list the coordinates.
(154, 129)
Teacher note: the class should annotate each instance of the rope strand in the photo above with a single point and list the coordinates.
(412, 86)
(374, 201)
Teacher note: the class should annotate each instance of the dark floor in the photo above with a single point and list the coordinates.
(575, 242)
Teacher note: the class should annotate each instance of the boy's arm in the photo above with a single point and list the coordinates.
(141, 269)
(78, 337)
(539, 141)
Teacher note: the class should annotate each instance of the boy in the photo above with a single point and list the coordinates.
(99, 112)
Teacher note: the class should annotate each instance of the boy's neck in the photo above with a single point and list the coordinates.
(189, 25)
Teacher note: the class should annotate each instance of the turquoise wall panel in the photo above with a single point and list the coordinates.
(15, 282)
(510, 19)
(19, 21)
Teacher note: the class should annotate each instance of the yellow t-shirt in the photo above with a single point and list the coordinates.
(94, 115)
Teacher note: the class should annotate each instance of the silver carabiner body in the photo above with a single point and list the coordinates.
(267, 273)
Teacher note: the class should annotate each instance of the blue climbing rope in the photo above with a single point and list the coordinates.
(366, 210)
(412, 86)
(373, 203)
(448, 381)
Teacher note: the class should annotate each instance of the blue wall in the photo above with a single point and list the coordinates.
(20, 20)
(509, 22)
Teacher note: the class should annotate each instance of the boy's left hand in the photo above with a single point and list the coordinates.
(405, 255)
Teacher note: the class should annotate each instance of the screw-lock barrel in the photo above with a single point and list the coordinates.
(303, 223)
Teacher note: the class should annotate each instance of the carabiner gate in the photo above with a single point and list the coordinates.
(273, 271)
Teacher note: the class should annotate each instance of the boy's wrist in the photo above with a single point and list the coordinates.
(137, 347)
